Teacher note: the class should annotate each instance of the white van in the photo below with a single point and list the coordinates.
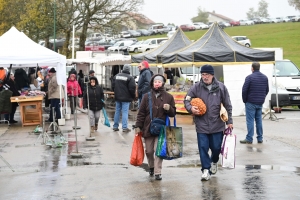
(157, 29)
(288, 84)
(118, 45)
(150, 44)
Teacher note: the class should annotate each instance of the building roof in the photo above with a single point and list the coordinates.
(220, 16)
(141, 18)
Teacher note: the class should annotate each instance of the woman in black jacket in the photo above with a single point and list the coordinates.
(14, 105)
(96, 95)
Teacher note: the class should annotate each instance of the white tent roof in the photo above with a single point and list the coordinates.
(118, 59)
(20, 51)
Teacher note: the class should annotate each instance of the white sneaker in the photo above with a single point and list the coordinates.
(214, 168)
(205, 176)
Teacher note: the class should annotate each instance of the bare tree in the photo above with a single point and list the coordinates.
(201, 17)
(251, 13)
(262, 9)
(99, 14)
(295, 3)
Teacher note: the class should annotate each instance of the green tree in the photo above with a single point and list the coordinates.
(201, 17)
(251, 13)
(295, 3)
(262, 9)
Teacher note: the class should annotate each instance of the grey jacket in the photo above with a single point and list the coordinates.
(210, 122)
(53, 89)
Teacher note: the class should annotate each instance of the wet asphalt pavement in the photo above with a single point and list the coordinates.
(263, 171)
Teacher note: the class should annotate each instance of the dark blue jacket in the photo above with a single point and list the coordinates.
(144, 82)
(124, 87)
(255, 88)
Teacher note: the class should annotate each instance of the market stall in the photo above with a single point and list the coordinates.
(19, 51)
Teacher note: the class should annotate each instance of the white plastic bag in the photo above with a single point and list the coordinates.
(228, 149)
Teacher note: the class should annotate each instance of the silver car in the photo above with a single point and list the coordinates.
(243, 40)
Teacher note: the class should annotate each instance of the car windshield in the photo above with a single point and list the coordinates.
(286, 69)
(117, 44)
(147, 41)
(189, 70)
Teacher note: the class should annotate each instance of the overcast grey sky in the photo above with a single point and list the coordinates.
(181, 11)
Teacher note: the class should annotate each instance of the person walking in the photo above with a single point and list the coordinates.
(255, 90)
(73, 90)
(144, 80)
(209, 127)
(53, 96)
(163, 105)
(95, 102)
(12, 87)
(124, 88)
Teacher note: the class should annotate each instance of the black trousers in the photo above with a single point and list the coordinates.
(73, 103)
(11, 116)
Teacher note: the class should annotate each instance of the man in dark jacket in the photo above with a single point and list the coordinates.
(144, 80)
(14, 105)
(209, 126)
(255, 90)
(124, 87)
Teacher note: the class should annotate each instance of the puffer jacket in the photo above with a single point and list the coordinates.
(95, 98)
(124, 87)
(144, 82)
(210, 122)
(143, 116)
(73, 88)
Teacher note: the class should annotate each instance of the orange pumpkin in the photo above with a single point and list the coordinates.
(200, 104)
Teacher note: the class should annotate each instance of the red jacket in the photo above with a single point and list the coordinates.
(73, 88)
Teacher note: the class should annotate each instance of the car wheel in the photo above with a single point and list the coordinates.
(247, 45)
(135, 50)
(147, 49)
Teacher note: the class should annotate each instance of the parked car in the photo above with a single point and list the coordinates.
(94, 46)
(285, 19)
(151, 43)
(134, 33)
(296, 19)
(243, 40)
(120, 45)
(200, 25)
(125, 34)
(256, 20)
(244, 22)
(279, 19)
(170, 34)
(234, 23)
(135, 46)
(187, 27)
(171, 27)
(222, 24)
(264, 20)
(274, 20)
(144, 32)
(157, 29)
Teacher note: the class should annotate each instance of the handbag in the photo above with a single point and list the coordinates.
(156, 124)
(137, 152)
(228, 149)
(106, 120)
(170, 141)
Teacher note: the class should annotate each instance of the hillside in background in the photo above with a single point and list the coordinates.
(284, 35)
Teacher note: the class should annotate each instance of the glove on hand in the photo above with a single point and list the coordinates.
(167, 106)
(137, 130)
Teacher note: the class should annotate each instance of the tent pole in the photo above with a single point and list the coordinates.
(276, 85)
(73, 42)
(193, 74)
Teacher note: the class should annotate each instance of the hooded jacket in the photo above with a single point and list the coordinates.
(144, 82)
(73, 88)
(159, 98)
(95, 94)
(210, 122)
(124, 87)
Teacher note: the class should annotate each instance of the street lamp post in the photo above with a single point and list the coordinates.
(54, 43)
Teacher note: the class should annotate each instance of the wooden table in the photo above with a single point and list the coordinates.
(30, 109)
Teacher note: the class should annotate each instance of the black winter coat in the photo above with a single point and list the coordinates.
(95, 98)
(12, 87)
(21, 79)
(124, 87)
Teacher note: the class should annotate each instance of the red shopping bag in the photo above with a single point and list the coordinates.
(137, 152)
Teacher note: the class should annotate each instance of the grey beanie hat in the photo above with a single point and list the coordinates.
(126, 67)
(160, 78)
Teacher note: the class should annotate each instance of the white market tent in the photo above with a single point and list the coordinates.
(20, 51)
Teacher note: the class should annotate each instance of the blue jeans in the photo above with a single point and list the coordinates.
(124, 107)
(254, 112)
(209, 141)
(56, 104)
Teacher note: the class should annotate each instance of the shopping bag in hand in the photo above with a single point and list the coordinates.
(106, 120)
(137, 152)
(228, 149)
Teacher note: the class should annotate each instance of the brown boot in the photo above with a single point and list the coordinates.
(96, 127)
(92, 129)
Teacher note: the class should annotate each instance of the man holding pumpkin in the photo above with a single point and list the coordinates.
(204, 100)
